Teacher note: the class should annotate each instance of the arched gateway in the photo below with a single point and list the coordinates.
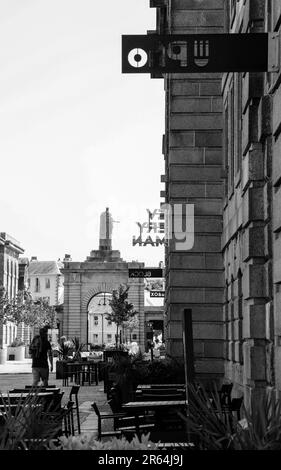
(102, 272)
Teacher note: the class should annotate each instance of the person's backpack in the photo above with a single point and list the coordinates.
(36, 347)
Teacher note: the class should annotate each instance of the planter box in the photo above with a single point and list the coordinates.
(18, 352)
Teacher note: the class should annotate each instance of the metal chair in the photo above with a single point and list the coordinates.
(235, 406)
(121, 426)
(74, 393)
(225, 395)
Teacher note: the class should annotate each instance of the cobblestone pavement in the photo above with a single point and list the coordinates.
(86, 396)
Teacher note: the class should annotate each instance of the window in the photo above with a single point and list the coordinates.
(109, 322)
(134, 336)
(109, 338)
(37, 284)
(95, 339)
(240, 317)
(47, 283)
(237, 122)
(96, 320)
(230, 149)
(225, 147)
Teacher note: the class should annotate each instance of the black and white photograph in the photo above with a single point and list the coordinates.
(140, 228)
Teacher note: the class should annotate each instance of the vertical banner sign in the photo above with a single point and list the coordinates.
(195, 53)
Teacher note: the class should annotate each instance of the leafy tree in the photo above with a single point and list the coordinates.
(23, 309)
(131, 324)
(122, 310)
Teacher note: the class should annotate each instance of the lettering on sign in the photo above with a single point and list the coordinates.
(157, 293)
(142, 273)
(195, 53)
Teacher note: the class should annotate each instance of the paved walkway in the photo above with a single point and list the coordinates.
(17, 374)
(16, 367)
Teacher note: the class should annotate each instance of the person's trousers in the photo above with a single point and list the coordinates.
(40, 373)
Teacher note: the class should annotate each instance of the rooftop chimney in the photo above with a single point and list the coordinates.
(67, 258)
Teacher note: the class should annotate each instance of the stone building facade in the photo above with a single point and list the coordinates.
(222, 148)
(45, 280)
(10, 250)
(251, 212)
(192, 148)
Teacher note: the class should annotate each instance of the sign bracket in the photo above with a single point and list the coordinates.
(274, 52)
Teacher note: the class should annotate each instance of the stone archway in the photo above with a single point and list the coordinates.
(101, 288)
(100, 330)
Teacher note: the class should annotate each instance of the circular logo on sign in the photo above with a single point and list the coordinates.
(137, 57)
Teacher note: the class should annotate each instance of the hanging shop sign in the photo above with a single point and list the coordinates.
(195, 53)
(157, 293)
(143, 272)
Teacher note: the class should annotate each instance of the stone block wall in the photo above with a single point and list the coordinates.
(251, 212)
(192, 148)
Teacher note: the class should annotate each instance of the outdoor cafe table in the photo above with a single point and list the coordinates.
(25, 394)
(18, 397)
(138, 407)
(149, 386)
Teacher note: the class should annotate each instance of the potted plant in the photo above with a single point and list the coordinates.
(122, 313)
(65, 348)
(78, 348)
(17, 349)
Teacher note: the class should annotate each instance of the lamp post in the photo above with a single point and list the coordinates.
(103, 303)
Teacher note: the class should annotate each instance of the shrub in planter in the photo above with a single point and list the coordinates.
(86, 442)
(78, 347)
(26, 427)
(166, 370)
(260, 429)
(17, 342)
(17, 349)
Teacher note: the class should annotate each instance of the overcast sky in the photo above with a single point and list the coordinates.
(76, 135)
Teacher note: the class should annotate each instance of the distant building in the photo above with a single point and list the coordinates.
(45, 280)
(10, 250)
(88, 289)
(23, 274)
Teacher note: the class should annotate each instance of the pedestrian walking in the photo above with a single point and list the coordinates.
(41, 350)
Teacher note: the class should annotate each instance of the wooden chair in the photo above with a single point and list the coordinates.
(235, 407)
(225, 395)
(68, 419)
(74, 393)
(102, 416)
(122, 419)
(121, 426)
(63, 418)
(229, 412)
